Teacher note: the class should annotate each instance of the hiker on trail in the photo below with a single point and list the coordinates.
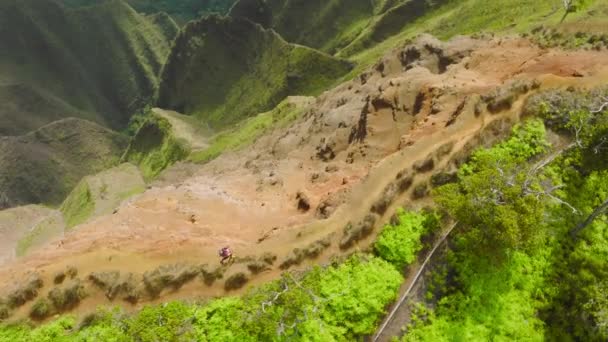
(225, 254)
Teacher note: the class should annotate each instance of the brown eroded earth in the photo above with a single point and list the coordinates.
(418, 112)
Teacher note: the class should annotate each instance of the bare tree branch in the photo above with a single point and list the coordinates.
(597, 212)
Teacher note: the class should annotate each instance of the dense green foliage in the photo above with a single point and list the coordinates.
(223, 70)
(494, 300)
(337, 303)
(400, 243)
(496, 199)
(548, 284)
(155, 147)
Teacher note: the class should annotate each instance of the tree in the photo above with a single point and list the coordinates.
(499, 197)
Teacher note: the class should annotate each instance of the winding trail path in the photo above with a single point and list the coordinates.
(392, 324)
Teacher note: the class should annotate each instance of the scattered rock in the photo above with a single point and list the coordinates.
(331, 168)
(303, 202)
(318, 177)
(325, 151)
(325, 209)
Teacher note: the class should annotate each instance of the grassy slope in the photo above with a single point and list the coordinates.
(51, 227)
(99, 194)
(224, 69)
(249, 130)
(17, 224)
(44, 166)
(154, 147)
(476, 16)
(323, 24)
(100, 63)
(181, 10)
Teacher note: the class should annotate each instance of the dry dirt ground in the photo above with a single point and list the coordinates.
(363, 149)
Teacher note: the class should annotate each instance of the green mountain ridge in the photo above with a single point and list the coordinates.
(102, 61)
(180, 10)
(334, 25)
(43, 166)
(224, 69)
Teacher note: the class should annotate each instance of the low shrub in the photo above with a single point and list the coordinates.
(400, 243)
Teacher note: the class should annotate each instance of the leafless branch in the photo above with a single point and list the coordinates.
(602, 106)
(597, 212)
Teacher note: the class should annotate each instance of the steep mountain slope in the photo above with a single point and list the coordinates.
(101, 193)
(322, 186)
(100, 63)
(225, 69)
(44, 165)
(18, 222)
(180, 10)
(332, 25)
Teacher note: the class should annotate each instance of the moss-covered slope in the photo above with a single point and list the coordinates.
(44, 166)
(181, 10)
(335, 25)
(155, 147)
(321, 24)
(226, 69)
(99, 194)
(100, 63)
(18, 227)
